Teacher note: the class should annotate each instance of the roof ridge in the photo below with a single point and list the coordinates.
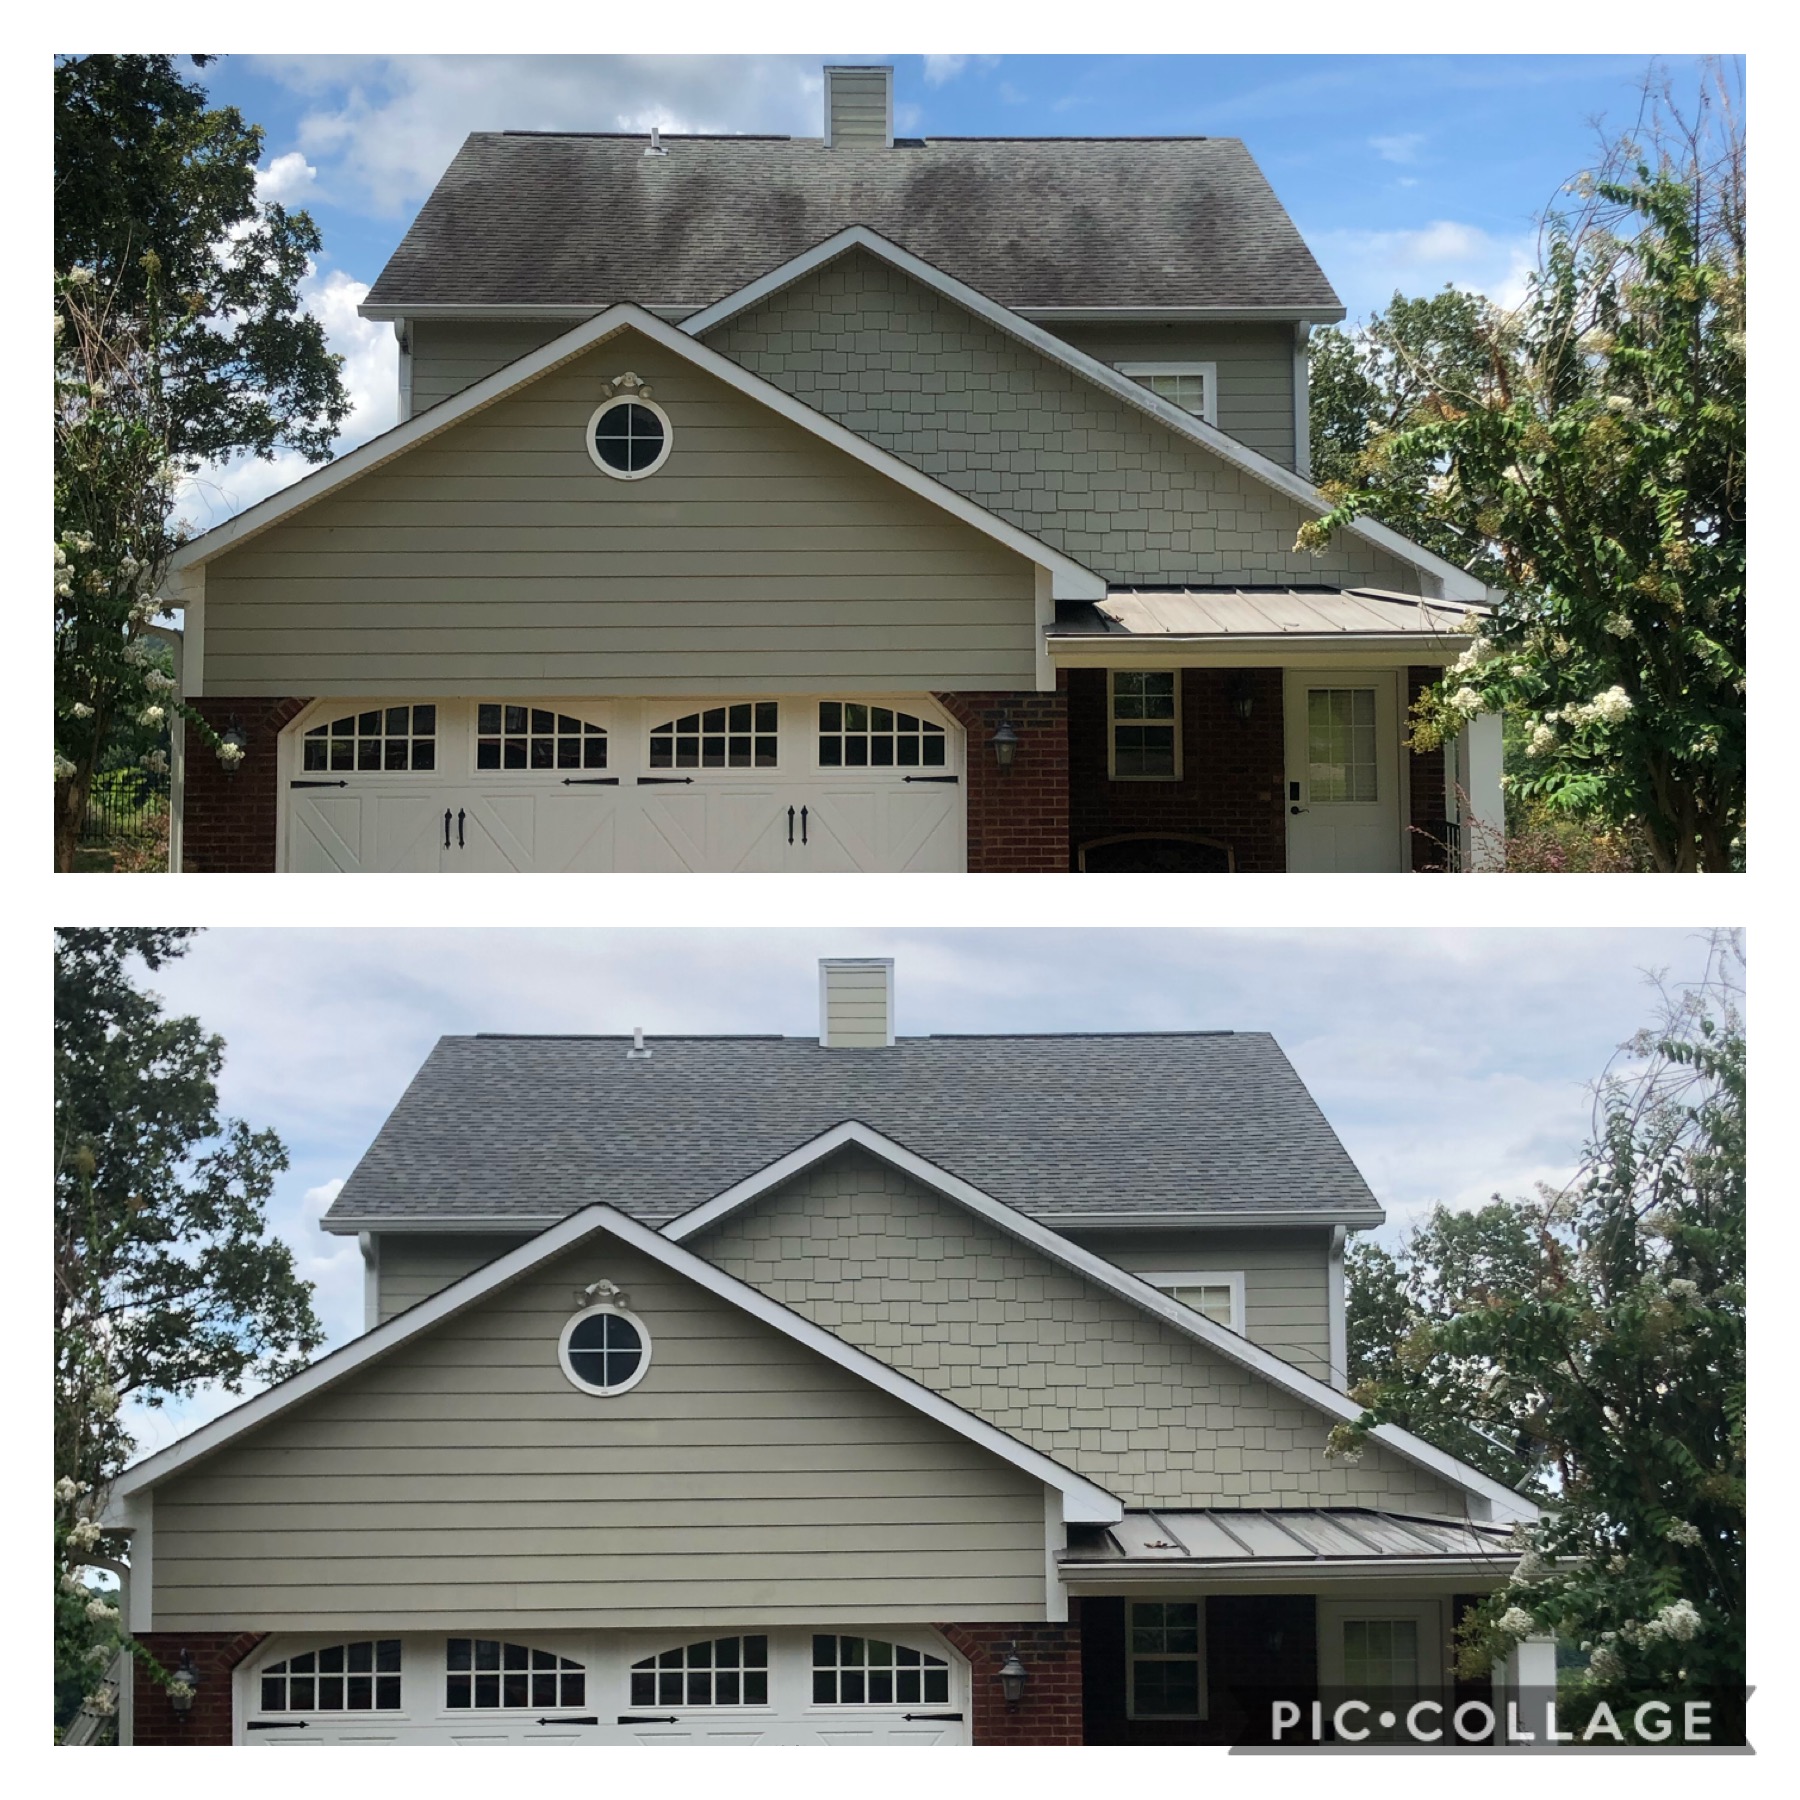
(791, 1037)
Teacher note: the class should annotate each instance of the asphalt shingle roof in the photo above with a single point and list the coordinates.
(546, 219)
(1205, 1123)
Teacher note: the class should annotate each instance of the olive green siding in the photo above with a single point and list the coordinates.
(1287, 1306)
(452, 354)
(1084, 471)
(1064, 1365)
(463, 1482)
(412, 1266)
(496, 559)
(1255, 364)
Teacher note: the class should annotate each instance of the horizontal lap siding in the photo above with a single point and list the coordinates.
(498, 557)
(462, 1477)
(410, 1269)
(448, 356)
(1042, 1352)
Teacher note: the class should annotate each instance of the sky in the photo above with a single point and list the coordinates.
(1455, 1063)
(1445, 189)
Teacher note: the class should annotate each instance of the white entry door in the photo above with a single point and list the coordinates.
(794, 785)
(1344, 772)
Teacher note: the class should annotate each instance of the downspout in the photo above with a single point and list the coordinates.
(403, 333)
(1302, 402)
(370, 1246)
(173, 637)
(1336, 1323)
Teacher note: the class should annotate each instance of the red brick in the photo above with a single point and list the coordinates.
(215, 1654)
(1050, 1712)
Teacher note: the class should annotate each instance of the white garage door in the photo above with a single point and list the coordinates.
(705, 786)
(784, 1686)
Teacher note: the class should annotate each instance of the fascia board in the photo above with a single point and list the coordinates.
(1084, 1502)
(1458, 584)
(1071, 646)
(1167, 1573)
(350, 1224)
(1264, 1363)
(1069, 579)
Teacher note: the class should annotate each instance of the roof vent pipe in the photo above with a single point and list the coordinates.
(655, 147)
(638, 1046)
(859, 105)
(856, 1002)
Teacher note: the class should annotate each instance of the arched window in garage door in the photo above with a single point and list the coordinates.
(382, 737)
(518, 736)
(741, 735)
(727, 1671)
(488, 1674)
(866, 1671)
(363, 1676)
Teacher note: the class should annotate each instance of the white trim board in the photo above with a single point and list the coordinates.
(1504, 1503)
(1456, 584)
(1069, 579)
(1083, 1501)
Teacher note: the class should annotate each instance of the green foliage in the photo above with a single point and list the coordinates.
(1600, 1331)
(144, 165)
(164, 1279)
(1586, 451)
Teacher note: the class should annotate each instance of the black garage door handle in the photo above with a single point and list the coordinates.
(446, 828)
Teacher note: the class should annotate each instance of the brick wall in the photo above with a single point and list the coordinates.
(1018, 817)
(1231, 768)
(228, 820)
(1426, 799)
(1050, 1712)
(215, 1655)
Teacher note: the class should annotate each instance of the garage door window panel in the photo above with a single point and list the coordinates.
(727, 1671)
(383, 738)
(737, 736)
(859, 1671)
(853, 735)
(363, 1676)
(520, 737)
(491, 1675)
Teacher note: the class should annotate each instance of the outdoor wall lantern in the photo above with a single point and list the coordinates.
(1005, 742)
(1012, 1677)
(234, 743)
(1242, 697)
(184, 1684)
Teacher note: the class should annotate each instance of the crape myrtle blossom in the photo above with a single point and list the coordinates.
(1516, 1622)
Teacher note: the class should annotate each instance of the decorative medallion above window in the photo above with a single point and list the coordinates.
(605, 1350)
(629, 435)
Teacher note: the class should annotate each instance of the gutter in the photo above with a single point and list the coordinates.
(1100, 1576)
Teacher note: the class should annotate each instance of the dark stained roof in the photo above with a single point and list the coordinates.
(542, 219)
(1184, 1125)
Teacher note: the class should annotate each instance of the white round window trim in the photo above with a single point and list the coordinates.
(650, 468)
(637, 1374)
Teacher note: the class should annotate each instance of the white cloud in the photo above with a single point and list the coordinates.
(939, 69)
(1367, 267)
(287, 179)
(1402, 148)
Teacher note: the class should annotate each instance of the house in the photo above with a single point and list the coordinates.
(865, 1390)
(826, 504)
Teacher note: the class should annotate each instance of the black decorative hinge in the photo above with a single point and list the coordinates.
(276, 1725)
(909, 1717)
(658, 1719)
(294, 784)
(950, 778)
(665, 781)
(584, 1719)
(590, 781)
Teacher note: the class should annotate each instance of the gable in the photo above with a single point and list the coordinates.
(745, 1478)
(1043, 1352)
(911, 370)
(495, 557)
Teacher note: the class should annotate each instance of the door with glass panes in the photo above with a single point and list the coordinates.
(1344, 772)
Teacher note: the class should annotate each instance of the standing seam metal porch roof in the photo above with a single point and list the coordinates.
(529, 219)
(1191, 1125)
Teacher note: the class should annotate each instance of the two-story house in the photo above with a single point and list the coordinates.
(820, 504)
(865, 1390)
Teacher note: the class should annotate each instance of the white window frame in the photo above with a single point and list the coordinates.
(568, 710)
(657, 713)
(1169, 1279)
(463, 1714)
(1207, 371)
(927, 1643)
(1112, 739)
(637, 1374)
(767, 1669)
(662, 455)
(1132, 1658)
(1430, 1615)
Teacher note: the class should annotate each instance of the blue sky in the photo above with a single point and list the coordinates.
(1454, 1063)
(1401, 171)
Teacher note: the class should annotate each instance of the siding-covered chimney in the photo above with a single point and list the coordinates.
(856, 1002)
(859, 105)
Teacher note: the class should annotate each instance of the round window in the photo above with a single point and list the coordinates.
(604, 1350)
(629, 438)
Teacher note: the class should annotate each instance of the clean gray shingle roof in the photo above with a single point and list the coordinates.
(544, 219)
(1206, 1123)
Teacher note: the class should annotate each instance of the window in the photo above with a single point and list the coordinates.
(854, 736)
(629, 437)
(1190, 385)
(1340, 745)
(1381, 1655)
(729, 1671)
(858, 1671)
(1219, 1295)
(1166, 1666)
(359, 1677)
(528, 737)
(485, 1673)
(722, 737)
(605, 1350)
(1143, 728)
(388, 737)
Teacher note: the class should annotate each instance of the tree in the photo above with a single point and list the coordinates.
(164, 1278)
(1593, 445)
(1604, 1335)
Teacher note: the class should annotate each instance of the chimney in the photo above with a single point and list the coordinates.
(859, 105)
(856, 1002)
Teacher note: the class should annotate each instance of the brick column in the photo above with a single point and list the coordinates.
(228, 819)
(1018, 817)
(215, 1654)
(1050, 1712)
